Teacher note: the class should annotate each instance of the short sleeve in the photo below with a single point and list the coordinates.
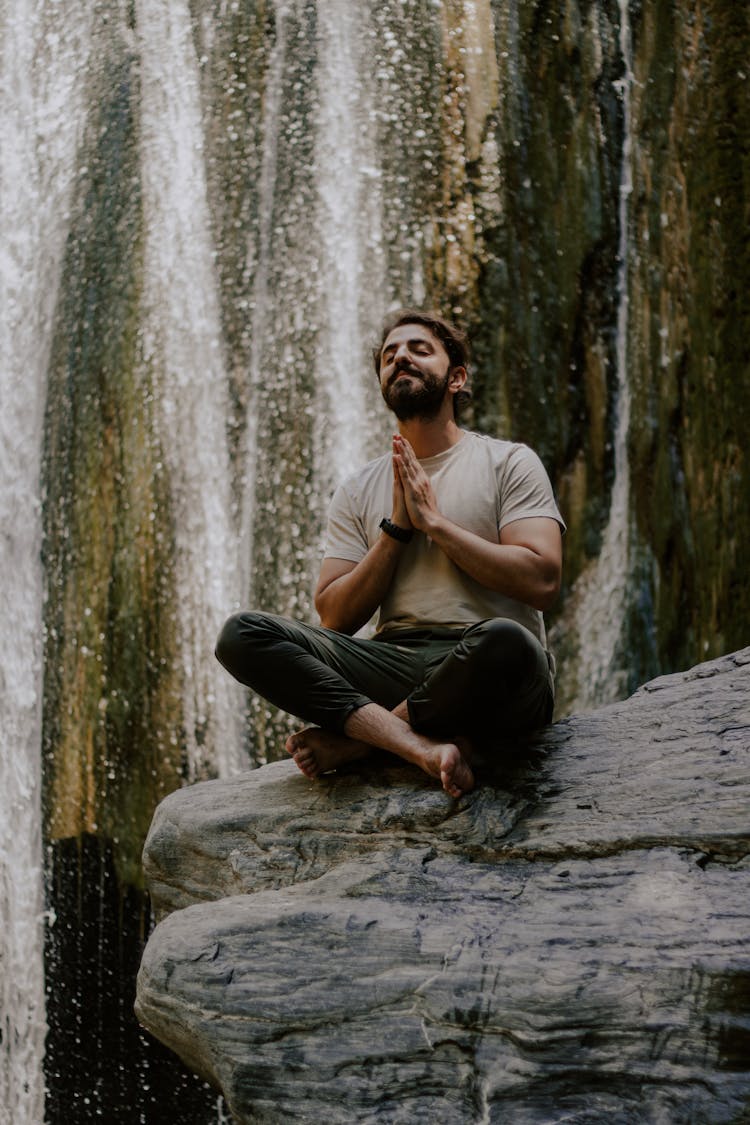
(525, 490)
(345, 536)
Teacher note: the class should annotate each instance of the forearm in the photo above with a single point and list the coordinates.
(525, 564)
(517, 571)
(349, 601)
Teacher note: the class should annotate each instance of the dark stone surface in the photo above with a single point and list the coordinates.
(567, 943)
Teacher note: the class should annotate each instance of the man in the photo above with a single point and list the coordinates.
(455, 539)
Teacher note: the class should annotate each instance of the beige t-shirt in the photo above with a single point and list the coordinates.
(480, 483)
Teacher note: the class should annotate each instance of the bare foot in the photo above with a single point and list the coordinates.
(390, 730)
(446, 762)
(315, 751)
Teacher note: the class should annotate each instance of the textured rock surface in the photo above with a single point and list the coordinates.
(569, 942)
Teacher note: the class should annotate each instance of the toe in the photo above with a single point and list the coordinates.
(449, 787)
(291, 744)
(307, 766)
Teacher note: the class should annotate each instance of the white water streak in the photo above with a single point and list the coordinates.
(183, 337)
(45, 50)
(603, 605)
(348, 179)
(262, 319)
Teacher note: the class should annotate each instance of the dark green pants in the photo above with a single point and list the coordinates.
(486, 681)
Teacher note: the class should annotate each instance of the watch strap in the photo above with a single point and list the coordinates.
(402, 534)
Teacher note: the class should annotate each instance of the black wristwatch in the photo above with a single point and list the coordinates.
(403, 534)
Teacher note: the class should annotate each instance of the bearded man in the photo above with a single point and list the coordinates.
(455, 540)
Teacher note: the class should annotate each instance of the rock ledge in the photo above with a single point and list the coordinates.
(567, 943)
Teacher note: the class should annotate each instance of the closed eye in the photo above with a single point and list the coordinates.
(419, 347)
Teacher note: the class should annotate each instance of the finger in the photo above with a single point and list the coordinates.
(407, 475)
(412, 472)
(405, 449)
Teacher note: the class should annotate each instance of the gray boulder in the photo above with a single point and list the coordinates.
(568, 943)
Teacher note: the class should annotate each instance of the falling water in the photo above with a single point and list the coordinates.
(261, 323)
(358, 163)
(603, 590)
(316, 261)
(43, 47)
(352, 269)
(184, 342)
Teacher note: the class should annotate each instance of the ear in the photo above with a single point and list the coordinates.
(457, 378)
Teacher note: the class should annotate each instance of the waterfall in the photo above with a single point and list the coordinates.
(206, 209)
(602, 590)
(260, 304)
(44, 48)
(183, 340)
(352, 265)
(315, 259)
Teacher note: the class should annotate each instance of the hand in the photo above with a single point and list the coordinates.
(419, 499)
(399, 514)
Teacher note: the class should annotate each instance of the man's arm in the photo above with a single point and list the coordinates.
(348, 593)
(527, 562)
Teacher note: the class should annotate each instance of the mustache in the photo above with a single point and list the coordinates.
(406, 368)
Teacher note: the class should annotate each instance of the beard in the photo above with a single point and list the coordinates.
(422, 400)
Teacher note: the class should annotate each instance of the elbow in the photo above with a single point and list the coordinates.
(548, 591)
(329, 622)
(337, 625)
(325, 615)
(329, 619)
(543, 603)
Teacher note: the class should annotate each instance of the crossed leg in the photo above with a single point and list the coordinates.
(497, 669)
(372, 726)
(497, 672)
(331, 679)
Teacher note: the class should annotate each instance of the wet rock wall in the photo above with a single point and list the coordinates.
(475, 151)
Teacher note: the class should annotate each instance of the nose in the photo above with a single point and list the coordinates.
(402, 351)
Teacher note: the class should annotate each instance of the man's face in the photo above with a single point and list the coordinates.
(414, 372)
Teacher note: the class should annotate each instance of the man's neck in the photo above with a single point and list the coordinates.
(428, 438)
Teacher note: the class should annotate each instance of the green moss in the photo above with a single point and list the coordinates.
(233, 50)
(690, 332)
(545, 321)
(112, 681)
